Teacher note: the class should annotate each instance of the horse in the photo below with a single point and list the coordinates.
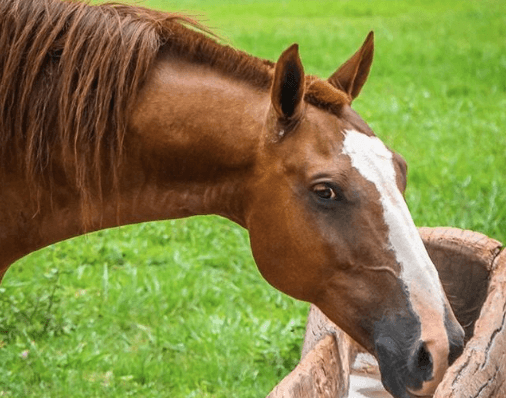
(115, 114)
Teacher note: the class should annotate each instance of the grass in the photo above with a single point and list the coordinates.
(177, 308)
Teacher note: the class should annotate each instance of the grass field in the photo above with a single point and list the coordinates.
(177, 308)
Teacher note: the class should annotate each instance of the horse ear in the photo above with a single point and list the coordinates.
(351, 76)
(288, 85)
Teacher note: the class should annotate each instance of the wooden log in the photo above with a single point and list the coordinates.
(320, 374)
(481, 370)
(318, 326)
(464, 260)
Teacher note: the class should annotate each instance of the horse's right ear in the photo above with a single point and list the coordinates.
(287, 89)
(351, 76)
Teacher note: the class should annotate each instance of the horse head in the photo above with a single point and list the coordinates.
(329, 224)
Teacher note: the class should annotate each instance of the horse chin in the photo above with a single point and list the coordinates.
(398, 389)
(424, 394)
(414, 395)
(402, 392)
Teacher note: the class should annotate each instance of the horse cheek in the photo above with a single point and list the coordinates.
(284, 251)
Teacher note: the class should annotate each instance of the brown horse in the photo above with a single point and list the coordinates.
(114, 115)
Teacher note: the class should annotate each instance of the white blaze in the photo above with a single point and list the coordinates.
(372, 159)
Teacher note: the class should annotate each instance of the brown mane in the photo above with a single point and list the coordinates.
(70, 72)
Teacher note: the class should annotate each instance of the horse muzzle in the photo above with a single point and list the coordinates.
(411, 367)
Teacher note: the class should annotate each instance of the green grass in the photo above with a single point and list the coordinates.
(177, 308)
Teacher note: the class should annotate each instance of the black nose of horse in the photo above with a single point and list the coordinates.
(418, 368)
(411, 365)
(421, 363)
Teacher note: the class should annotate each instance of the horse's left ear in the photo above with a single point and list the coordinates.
(351, 76)
(287, 89)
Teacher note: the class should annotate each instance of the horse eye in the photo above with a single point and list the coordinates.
(325, 192)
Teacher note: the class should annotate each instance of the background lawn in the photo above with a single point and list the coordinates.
(177, 308)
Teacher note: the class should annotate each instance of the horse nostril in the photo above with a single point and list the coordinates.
(424, 358)
(423, 361)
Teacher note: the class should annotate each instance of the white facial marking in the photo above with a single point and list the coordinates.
(371, 158)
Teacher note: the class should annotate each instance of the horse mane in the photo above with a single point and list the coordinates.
(69, 76)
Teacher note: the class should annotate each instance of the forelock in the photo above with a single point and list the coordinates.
(322, 94)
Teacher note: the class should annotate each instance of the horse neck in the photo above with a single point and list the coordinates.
(190, 149)
(194, 138)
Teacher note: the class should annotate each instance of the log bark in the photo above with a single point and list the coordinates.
(319, 374)
(480, 372)
(464, 260)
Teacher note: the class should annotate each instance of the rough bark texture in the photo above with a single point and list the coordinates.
(481, 370)
(473, 272)
(318, 326)
(320, 374)
(464, 260)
